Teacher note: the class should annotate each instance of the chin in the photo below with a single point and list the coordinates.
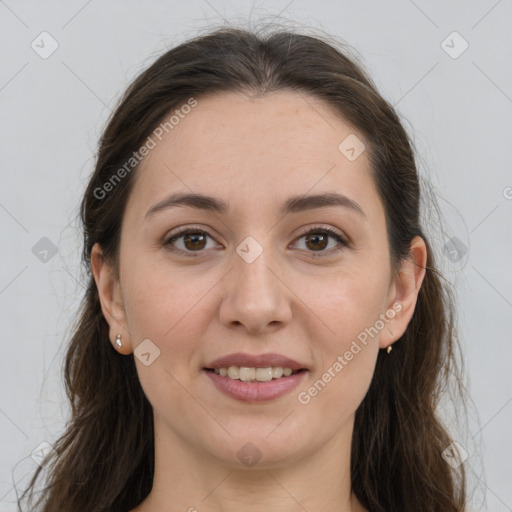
(263, 450)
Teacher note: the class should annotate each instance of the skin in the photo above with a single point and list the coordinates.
(254, 154)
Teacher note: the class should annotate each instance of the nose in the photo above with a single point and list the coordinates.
(256, 297)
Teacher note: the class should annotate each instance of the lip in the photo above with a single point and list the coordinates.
(254, 392)
(255, 361)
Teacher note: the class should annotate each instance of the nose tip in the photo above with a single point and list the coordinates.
(255, 298)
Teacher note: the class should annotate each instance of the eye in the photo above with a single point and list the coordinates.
(317, 240)
(193, 240)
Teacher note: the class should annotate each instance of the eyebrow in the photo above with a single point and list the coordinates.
(293, 204)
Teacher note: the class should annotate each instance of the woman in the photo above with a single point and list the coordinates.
(264, 326)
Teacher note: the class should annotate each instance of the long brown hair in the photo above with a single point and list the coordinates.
(105, 458)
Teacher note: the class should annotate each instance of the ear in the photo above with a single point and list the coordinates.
(109, 291)
(404, 291)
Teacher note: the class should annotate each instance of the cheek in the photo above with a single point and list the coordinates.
(349, 313)
(347, 301)
(167, 306)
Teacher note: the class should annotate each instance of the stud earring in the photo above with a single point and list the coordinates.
(118, 341)
(390, 348)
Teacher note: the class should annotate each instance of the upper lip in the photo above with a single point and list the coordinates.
(255, 361)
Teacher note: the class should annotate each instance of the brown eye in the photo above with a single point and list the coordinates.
(188, 241)
(194, 241)
(316, 240)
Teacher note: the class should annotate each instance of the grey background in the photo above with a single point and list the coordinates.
(53, 109)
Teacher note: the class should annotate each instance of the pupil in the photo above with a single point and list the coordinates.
(314, 237)
(194, 239)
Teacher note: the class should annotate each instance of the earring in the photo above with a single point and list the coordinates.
(389, 349)
(118, 341)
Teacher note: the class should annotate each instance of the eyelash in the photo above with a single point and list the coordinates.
(316, 230)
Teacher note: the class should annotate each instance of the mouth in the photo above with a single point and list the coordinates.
(255, 377)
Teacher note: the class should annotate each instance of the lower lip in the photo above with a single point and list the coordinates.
(256, 391)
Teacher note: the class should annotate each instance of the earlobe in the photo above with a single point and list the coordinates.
(406, 287)
(111, 299)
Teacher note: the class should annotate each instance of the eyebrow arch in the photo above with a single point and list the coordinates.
(294, 204)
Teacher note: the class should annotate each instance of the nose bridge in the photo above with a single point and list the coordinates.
(253, 269)
(255, 296)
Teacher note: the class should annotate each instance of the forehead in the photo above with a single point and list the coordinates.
(256, 152)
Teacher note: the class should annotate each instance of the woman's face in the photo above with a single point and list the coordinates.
(251, 280)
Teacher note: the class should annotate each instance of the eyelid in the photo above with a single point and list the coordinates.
(184, 229)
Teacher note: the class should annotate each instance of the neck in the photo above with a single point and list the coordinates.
(187, 479)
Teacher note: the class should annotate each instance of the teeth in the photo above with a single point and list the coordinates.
(277, 372)
(247, 374)
(251, 374)
(263, 374)
(234, 372)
